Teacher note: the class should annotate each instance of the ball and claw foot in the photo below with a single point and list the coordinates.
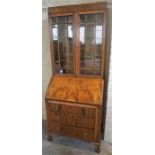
(97, 150)
(50, 138)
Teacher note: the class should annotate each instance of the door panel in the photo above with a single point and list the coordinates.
(90, 43)
(62, 32)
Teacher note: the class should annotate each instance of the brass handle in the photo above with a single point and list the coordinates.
(58, 107)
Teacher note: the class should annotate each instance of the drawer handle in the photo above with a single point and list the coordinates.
(58, 107)
(84, 112)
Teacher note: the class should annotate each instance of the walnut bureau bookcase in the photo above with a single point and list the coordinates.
(74, 97)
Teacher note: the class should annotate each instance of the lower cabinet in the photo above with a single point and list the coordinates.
(74, 120)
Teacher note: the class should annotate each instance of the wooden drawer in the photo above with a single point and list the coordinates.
(80, 133)
(87, 135)
(73, 119)
(74, 109)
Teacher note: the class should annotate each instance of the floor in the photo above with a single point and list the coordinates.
(67, 146)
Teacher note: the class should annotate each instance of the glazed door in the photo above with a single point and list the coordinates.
(91, 32)
(62, 44)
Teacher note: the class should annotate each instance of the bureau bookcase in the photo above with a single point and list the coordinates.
(74, 97)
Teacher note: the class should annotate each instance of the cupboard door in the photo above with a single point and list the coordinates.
(62, 32)
(90, 43)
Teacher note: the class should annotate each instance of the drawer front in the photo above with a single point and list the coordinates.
(87, 135)
(73, 119)
(80, 133)
(84, 111)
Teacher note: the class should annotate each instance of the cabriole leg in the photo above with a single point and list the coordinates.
(50, 137)
(97, 149)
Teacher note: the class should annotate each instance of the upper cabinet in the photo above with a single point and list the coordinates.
(78, 40)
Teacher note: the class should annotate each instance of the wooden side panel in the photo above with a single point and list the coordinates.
(98, 125)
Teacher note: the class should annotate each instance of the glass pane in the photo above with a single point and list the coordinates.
(98, 41)
(99, 26)
(90, 72)
(98, 34)
(63, 44)
(55, 43)
(54, 20)
(82, 33)
(91, 17)
(98, 73)
(100, 17)
(89, 61)
(69, 19)
(98, 64)
(70, 31)
(99, 30)
(98, 49)
(82, 72)
(62, 19)
(91, 30)
(55, 32)
(82, 18)
(82, 64)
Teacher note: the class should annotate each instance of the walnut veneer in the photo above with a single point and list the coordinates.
(78, 90)
(74, 97)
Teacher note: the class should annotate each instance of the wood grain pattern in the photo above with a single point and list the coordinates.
(75, 132)
(73, 120)
(74, 89)
(72, 109)
(74, 101)
(73, 115)
(77, 8)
